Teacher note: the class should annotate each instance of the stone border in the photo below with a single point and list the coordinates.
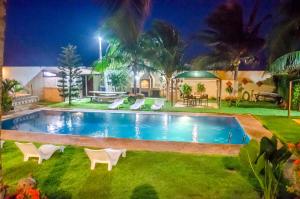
(250, 125)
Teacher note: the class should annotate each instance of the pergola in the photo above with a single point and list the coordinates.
(199, 75)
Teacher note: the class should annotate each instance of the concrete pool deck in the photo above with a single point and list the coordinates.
(251, 126)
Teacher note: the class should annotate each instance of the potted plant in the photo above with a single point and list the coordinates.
(201, 88)
(186, 89)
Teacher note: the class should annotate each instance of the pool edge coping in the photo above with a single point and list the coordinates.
(249, 124)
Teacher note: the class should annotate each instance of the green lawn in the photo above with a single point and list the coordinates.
(148, 174)
(141, 175)
(284, 128)
(255, 108)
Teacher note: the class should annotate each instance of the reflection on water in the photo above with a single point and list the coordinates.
(130, 125)
(195, 133)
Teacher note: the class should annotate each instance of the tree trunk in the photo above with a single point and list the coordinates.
(2, 39)
(236, 83)
(167, 88)
(134, 81)
(70, 83)
(172, 100)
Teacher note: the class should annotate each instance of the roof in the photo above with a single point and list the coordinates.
(197, 75)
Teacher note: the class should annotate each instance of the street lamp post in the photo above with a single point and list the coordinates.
(100, 47)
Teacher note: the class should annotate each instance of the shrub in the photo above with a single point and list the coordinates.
(119, 79)
(9, 87)
(186, 89)
(201, 88)
(232, 100)
(295, 180)
(265, 160)
(296, 96)
(131, 99)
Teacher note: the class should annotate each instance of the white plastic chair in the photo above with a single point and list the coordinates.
(2, 143)
(105, 156)
(44, 152)
(138, 104)
(158, 104)
(116, 104)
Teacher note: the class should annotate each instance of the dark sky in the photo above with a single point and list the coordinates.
(37, 29)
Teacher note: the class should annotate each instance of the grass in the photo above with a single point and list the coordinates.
(284, 128)
(146, 175)
(254, 108)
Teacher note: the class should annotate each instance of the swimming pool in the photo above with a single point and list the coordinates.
(139, 126)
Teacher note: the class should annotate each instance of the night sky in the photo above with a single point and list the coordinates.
(37, 29)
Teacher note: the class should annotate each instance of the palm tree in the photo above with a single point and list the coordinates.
(285, 37)
(231, 39)
(126, 24)
(284, 46)
(2, 37)
(165, 51)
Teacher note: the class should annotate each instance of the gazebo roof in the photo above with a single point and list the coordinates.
(196, 75)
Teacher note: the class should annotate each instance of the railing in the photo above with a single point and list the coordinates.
(230, 136)
(244, 138)
(24, 100)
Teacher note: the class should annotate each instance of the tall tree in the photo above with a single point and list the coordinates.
(62, 83)
(126, 23)
(231, 39)
(69, 66)
(2, 39)
(285, 37)
(165, 50)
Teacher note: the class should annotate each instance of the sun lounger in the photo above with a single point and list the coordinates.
(158, 104)
(116, 104)
(138, 104)
(43, 153)
(105, 156)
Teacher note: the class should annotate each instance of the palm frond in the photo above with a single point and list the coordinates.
(286, 63)
(211, 61)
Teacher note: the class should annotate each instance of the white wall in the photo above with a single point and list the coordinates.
(21, 74)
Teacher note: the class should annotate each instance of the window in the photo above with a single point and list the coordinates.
(145, 83)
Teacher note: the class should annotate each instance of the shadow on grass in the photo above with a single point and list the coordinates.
(54, 179)
(231, 163)
(144, 191)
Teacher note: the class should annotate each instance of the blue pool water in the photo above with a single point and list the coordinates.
(162, 127)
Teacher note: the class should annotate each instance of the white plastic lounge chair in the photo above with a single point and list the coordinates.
(43, 153)
(116, 104)
(138, 104)
(2, 143)
(158, 104)
(106, 156)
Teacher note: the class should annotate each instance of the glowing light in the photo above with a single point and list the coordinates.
(184, 119)
(195, 133)
(79, 114)
(166, 121)
(137, 126)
